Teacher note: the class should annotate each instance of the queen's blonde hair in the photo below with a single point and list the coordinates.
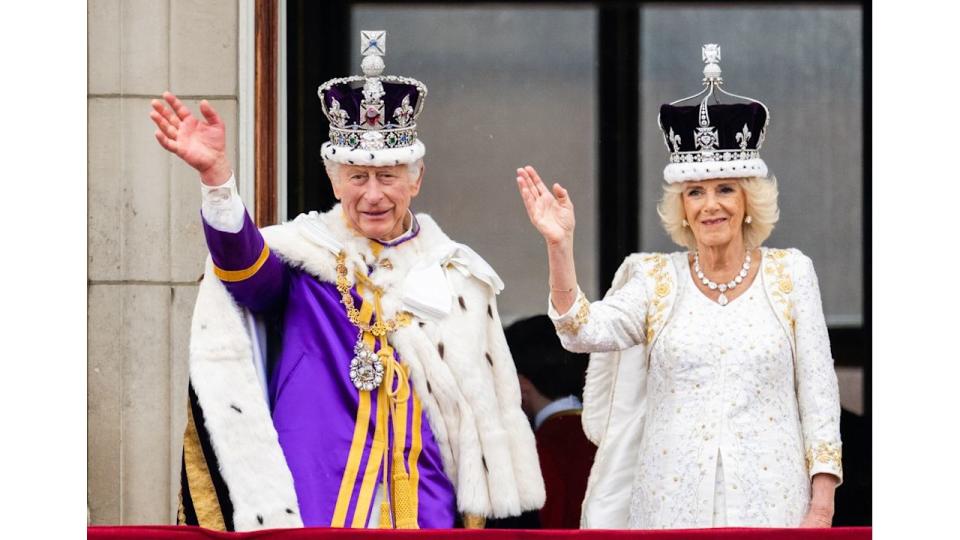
(761, 205)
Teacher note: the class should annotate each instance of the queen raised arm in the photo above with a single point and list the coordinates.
(711, 392)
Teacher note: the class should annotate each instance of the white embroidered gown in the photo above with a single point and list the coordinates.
(723, 439)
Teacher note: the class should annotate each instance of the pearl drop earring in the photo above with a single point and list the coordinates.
(749, 220)
(685, 224)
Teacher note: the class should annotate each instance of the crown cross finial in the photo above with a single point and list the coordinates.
(373, 42)
(711, 57)
(373, 45)
(711, 53)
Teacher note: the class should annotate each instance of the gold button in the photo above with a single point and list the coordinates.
(662, 289)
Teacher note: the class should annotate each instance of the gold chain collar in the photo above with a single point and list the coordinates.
(381, 327)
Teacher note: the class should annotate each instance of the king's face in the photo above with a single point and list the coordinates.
(375, 200)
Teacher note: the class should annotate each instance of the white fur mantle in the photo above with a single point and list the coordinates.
(460, 367)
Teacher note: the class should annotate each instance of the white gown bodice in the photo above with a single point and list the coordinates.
(721, 383)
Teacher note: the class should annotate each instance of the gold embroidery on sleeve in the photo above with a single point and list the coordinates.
(825, 453)
(583, 315)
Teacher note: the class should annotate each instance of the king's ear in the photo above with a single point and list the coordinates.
(335, 185)
(414, 183)
(419, 181)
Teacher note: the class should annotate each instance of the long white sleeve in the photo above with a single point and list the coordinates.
(222, 207)
(615, 323)
(817, 392)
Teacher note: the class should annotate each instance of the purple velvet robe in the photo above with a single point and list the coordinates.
(313, 402)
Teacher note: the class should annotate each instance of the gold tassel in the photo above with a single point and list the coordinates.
(385, 516)
(406, 515)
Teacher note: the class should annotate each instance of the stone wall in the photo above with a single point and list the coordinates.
(145, 242)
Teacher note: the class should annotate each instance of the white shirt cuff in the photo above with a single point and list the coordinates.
(222, 207)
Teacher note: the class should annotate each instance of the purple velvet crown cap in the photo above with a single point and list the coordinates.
(350, 97)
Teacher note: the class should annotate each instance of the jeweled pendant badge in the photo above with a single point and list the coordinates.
(366, 368)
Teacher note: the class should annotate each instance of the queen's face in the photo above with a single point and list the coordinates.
(715, 210)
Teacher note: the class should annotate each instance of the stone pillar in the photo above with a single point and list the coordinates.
(145, 242)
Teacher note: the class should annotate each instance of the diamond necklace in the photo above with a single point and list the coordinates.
(722, 287)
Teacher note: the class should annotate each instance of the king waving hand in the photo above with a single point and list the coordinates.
(347, 368)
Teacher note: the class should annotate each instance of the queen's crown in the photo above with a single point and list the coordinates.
(713, 141)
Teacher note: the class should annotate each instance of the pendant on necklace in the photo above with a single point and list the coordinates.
(722, 299)
(366, 368)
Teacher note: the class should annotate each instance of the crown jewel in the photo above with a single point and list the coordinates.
(373, 116)
(713, 141)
